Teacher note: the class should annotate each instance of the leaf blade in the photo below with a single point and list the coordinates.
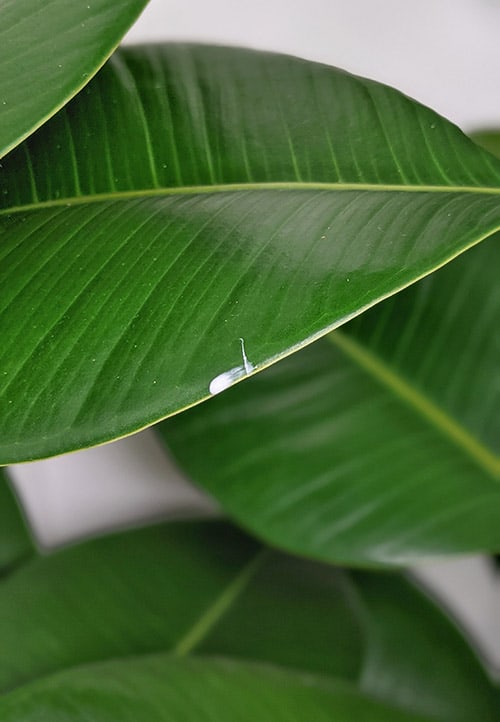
(232, 224)
(205, 589)
(187, 689)
(371, 449)
(15, 542)
(48, 53)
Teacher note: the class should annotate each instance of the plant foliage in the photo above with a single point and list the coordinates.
(191, 197)
(185, 220)
(196, 621)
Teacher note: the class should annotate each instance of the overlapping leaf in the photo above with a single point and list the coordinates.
(378, 445)
(15, 541)
(166, 689)
(187, 620)
(489, 139)
(48, 51)
(193, 203)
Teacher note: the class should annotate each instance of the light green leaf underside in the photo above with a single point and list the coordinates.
(191, 197)
(379, 445)
(203, 589)
(48, 51)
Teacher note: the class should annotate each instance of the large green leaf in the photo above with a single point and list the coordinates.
(194, 215)
(379, 445)
(15, 541)
(171, 690)
(205, 591)
(49, 49)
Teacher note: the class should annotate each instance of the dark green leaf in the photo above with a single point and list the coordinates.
(126, 594)
(203, 589)
(15, 541)
(192, 200)
(167, 689)
(380, 445)
(48, 51)
(489, 139)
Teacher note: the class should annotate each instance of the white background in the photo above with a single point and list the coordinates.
(446, 54)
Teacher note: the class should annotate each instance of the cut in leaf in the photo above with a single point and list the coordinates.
(49, 49)
(378, 445)
(203, 590)
(196, 214)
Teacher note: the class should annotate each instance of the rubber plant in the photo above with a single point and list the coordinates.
(185, 220)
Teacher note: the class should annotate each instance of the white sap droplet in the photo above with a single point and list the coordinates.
(226, 379)
(246, 363)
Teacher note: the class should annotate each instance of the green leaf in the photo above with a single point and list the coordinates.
(202, 597)
(489, 139)
(15, 541)
(48, 52)
(131, 593)
(198, 213)
(167, 689)
(380, 445)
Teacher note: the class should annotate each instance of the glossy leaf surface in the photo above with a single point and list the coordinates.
(198, 213)
(48, 52)
(205, 591)
(379, 445)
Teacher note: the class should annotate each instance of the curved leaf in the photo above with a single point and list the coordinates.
(48, 52)
(204, 590)
(198, 213)
(15, 541)
(126, 594)
(166, 689)
(380, 445)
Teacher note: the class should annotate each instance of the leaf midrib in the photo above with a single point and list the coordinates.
(202, 626)
(208, 189)
(458, 435)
